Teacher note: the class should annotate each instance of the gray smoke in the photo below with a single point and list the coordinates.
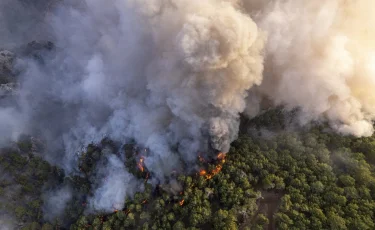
(7, 222)
(55, 202)
(169, 75)
(10, 125)
(22, 20)
(115, 185)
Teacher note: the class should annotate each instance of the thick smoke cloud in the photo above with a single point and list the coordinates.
(23, 20)
(320, 58)
(170, 76)
(174, 75)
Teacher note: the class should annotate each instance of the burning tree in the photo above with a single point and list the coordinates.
(220, 160)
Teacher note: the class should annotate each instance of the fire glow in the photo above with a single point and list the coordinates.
(202, 172)
(208, 175)
(140, 164)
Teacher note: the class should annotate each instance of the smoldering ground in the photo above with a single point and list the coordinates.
(174, 75)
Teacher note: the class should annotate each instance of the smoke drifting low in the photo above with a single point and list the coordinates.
(115, 185)
(175, 75)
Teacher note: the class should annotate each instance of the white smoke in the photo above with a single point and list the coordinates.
(10, 125)
(116, 184)
(55, 202)
(174, 75)
(7, 223)
(320, 58)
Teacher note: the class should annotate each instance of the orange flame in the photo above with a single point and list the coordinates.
(144, 202)
(181, 202)
(216, 170)
(221, 156)
(140, 164)
(202, 172)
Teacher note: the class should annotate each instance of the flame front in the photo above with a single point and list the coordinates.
(181, 202)
(221, 158)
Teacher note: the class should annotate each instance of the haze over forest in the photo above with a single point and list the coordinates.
(187, 114)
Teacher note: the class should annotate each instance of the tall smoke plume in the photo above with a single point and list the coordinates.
(174, 75)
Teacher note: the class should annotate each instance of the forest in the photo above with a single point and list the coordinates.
(275, 176)
(187, 114)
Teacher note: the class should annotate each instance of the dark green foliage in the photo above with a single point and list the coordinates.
(24, 176)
